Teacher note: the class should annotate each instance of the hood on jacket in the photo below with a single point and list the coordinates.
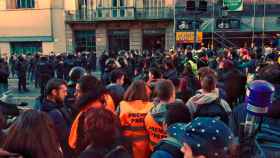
(202, 98)
(205, 98)
(158, 112)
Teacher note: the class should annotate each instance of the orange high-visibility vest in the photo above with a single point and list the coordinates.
(155, 130)
(132, 115)
(96, 104)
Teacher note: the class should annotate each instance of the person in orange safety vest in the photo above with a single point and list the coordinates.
(154, 121)
(132, 112)
(89, 94)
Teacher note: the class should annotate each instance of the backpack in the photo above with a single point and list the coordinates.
(213, 109)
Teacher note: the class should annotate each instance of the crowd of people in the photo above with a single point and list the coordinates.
(178, 104)
(38, 69)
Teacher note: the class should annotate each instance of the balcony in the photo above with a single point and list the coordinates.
(121, 13)
(154, 13)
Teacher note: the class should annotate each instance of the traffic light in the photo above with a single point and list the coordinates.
(190, 5)
(202, 6)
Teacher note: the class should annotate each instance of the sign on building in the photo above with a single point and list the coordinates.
(188, 37)
(183, 25)
(227, 24)
(187, 24)
(234, 5)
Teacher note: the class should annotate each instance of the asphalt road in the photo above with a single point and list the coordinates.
(13, 96)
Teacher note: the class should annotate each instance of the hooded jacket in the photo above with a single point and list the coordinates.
(202, 98)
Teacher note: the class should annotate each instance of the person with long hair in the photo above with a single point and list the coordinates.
(132, 113)
(32, 135)
(98, 135)
(208, 96)
(90, 93)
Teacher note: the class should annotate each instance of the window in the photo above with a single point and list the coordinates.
(17, 4)
(25, 3)
(118, 40)
(85, 41)
(26, 47)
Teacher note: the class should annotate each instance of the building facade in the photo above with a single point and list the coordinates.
(115, 25)
(149, 24)
(29, 26)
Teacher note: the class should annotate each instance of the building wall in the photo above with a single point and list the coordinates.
(44, 4)
(47, 19)
(2, 4)
(69, 39)
(16, 23)
(4, 49)
(58, 26)
(47, 47)
(101, 39)
(70, 5)
(135, 38)
(169, 37)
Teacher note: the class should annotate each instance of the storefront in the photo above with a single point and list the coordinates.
(153, 39)
(25, 47)
(118, 40)
(85, 41)
(185, 39)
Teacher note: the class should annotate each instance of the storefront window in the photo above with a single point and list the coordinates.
(26, 47)
(85, 41)
(118, 40)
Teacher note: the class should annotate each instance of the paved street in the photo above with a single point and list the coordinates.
(16, 97)
(29, 97)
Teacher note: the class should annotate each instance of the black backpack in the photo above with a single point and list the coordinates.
(213, 109)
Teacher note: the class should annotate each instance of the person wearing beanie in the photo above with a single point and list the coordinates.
(205, 136)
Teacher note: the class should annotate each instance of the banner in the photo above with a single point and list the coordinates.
(234, 5)
(188, 37)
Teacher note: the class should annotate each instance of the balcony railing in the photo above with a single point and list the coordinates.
(154, 13)
(120, 13)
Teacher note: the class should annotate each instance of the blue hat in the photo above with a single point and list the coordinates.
(206, 136)
(259, 97)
